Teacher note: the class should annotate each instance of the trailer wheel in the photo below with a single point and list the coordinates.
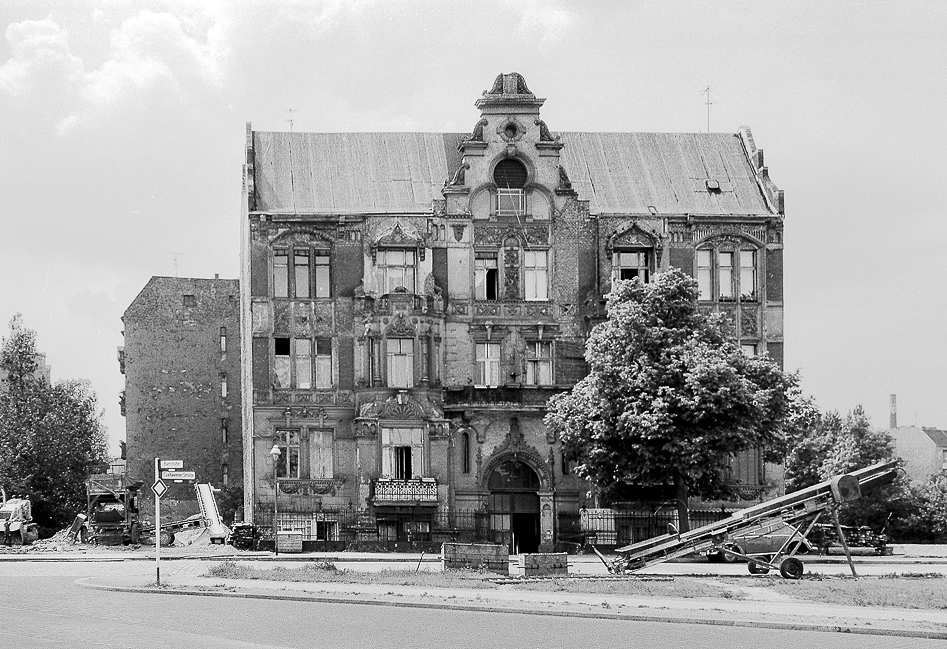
(756, 569)
(791, 568)
(16, 538)
(731, 558)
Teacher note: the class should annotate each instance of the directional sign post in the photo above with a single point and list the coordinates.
(172, 464)
(162, 487)
(177, 476)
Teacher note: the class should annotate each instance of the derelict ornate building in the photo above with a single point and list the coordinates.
(411, 300)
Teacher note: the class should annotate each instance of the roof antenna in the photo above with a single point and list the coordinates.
(176, 255)
(290, 120)
(709, 104)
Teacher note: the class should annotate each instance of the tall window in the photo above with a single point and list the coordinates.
(629, 264)
(320, 454)
(402, 453)
(398, 270)
(536, 274)
(302, 360)
(510, 177)
(323, 363)
(288, 464)
(486, 275)
(727, 275)
(281, 273)
(539, 363)
(488, 364)
(400, 362)
(223, 385)
(223, 340)
(322, 273)
(300, 272)
(294, 363)
(465, 452)
(224, 430)
(282, 363)
(704, 274)
(747, 275)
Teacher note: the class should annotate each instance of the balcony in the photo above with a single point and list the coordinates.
(421, 491)
(499, 398)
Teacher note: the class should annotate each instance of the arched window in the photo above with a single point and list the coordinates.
(728, 274)
(510, 178)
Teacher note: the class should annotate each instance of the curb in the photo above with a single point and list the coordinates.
(513, 610)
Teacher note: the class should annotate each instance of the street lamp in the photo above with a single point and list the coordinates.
(275, 453)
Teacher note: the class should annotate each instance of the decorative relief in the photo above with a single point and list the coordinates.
(511, 273)
(486, 309)
(458, 229)
(311, 487)
(495, 235)
(400, 328)
(281, 317)
(567, 309)
(538, 309)
(632, 237)
(679, 233)
(303, 235)
(757, 232)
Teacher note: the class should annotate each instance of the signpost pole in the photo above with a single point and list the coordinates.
(157, 527)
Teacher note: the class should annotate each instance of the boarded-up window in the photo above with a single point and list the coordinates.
(400, 362)
(320, 454)
(323, 363)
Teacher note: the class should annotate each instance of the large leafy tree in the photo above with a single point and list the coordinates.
(670, 397)
(49, 434)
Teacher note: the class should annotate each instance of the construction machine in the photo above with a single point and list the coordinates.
(16, 522)
(801, 511)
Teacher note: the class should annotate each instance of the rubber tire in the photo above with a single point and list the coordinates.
(729, 558)
(715, 557)
(791, 568)
(16, 538)
(757, 569)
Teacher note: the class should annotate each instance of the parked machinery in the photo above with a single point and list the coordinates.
(801, 510)
(16, 522)
(111, 510)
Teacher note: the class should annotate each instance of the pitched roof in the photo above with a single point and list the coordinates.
(939, 437)
(404, 172)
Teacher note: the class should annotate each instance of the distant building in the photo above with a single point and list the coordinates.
(181, 362)
(924, 451)
(410, 302)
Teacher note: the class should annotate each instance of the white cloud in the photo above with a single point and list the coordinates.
(40, 55)
(144, 52)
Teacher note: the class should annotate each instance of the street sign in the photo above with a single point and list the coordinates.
(178, 475)
(159, 488)
(172, 464)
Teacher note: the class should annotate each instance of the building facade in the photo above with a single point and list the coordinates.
(410, 302)
(181, 361)
(923, 450)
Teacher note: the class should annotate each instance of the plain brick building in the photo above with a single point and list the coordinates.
(181, 362)
(411, 301)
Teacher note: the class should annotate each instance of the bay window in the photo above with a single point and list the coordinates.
(727, 275)
(397, 269)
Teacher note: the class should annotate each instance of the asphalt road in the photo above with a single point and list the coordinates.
(40, 607)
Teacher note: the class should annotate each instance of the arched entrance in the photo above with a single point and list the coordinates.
(514, 506)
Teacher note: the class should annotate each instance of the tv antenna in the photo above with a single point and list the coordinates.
(709, 104)
(290, 120)
(176, 255)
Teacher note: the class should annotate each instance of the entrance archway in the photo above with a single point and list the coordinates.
(514, 506)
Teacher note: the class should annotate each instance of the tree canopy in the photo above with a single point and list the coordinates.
(670, 396)
(49, 434)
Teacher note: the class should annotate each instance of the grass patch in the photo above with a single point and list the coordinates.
(908, 590)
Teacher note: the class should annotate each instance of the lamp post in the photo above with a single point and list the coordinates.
(275, 453)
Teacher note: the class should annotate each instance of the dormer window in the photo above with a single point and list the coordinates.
(510, 177)
(629, 264)
(397, 269)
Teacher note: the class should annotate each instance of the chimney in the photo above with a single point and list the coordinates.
(216, 276)
(893, 421)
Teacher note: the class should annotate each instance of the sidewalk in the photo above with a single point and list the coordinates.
(776, 611)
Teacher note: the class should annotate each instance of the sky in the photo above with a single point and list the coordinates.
(122, 128)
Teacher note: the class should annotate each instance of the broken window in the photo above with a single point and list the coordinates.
(223, 340)
(300, 273)
(510, 177)
(629, 264)
(287, 465)
(322, 273)
(323, 363)
(402, 452)
(486, 275)
(282, 367)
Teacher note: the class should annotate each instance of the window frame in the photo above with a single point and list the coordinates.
(534, 362)
(391, 448)
(485, 362)
(719, 281)
(319, 376)
(407, 364)
(536, 276)
(287, 445)
(482, 275)
(382, 267)
(646, 266)
(288, 276)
